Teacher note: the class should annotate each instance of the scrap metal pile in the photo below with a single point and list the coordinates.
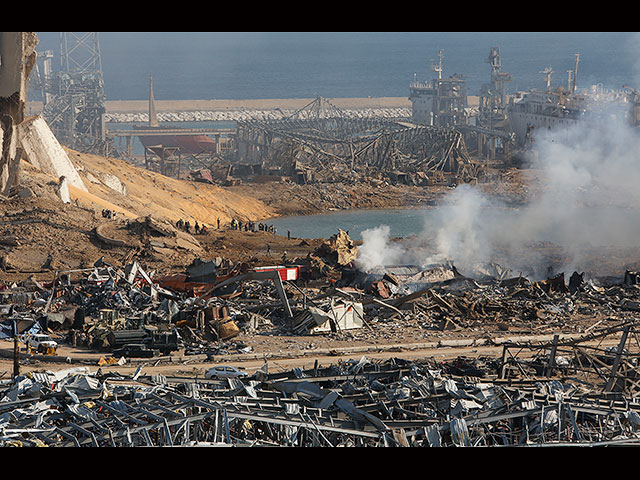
(108, 308)
(395, 403)
(131, 313)
(572, 378)
(321, 141)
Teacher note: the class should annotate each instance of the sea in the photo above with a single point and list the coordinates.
(256, 65)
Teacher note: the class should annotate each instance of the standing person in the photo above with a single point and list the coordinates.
(197, 228)
(187, 226)
(275, 232)
(268, 250)
(218, 224)
(288, 234)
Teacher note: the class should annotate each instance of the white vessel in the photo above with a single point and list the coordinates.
(536, 110)
(563, 107)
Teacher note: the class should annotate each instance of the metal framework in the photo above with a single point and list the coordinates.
(74, 99)
(325, 140)
(355, 403)
(615, 369)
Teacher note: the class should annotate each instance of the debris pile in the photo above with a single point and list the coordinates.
(217, 300)
(567, 373)
(393, 403)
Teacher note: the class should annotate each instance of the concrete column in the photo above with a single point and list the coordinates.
(17, 58)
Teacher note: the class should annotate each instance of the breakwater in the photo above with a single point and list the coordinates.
(246, 115)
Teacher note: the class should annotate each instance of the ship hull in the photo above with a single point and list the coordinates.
(521, 122)
(188, 144)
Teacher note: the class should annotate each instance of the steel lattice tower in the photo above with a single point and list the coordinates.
(76, 111)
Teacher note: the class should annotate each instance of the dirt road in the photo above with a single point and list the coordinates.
(278, 360)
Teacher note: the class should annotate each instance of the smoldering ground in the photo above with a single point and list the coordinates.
(588, 206)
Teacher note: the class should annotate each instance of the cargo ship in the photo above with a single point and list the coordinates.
(563, 107)
(189, 144)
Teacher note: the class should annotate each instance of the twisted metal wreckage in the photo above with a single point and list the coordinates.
(320, 140)
(576, 390)
(354, 403)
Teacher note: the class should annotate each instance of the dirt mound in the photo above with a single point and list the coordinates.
(40, 234)
(137, 192)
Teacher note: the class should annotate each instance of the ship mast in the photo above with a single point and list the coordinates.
(575, 74)
(547, 71)
(438, 68)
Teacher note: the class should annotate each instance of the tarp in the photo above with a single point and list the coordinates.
(346, 316)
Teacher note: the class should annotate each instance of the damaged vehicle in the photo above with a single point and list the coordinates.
(136, 350)
(225, 371)
(41, 343)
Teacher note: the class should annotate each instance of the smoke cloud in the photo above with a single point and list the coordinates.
(379, 250)
(589, 198)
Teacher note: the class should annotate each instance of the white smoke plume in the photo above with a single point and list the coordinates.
(379, 251)
(590, 175)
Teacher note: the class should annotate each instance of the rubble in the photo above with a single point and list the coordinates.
(392, 403)
(567, 371)
(338, 249)
(570, 378)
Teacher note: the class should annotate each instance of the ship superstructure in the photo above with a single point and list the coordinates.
(563, 107)
(441, 102)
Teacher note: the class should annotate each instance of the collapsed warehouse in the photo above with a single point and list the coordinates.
(321, 143)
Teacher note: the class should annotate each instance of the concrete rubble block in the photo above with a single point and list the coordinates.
(114, 183)
(42, 150)
(339, 249)
(63, 190)
(26, 193)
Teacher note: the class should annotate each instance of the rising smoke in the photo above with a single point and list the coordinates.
(590, 198)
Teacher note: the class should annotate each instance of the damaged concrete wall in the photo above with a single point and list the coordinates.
(17, 58)
(43, 151)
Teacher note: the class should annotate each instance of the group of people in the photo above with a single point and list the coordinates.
(251, 226)
(186, 226)
(110, 214)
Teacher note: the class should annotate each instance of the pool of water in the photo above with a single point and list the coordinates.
(401, 223)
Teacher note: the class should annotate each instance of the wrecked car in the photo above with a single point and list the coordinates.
(225, 371)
